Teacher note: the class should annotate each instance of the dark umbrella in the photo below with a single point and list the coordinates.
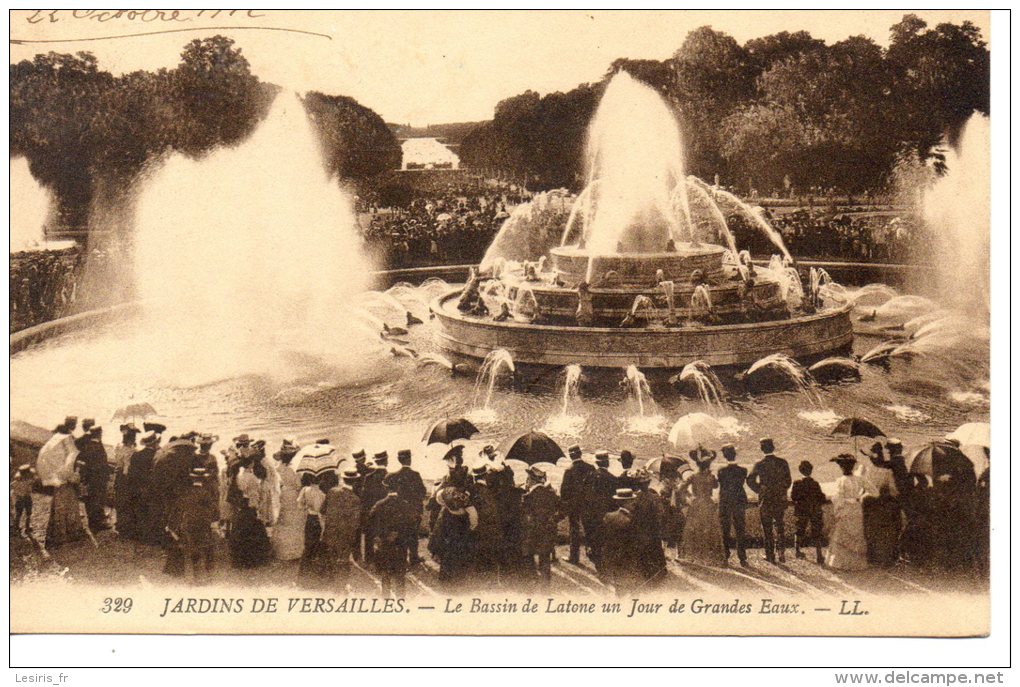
(857, 427)
(534, 447)
(449, 430)
(942, 458)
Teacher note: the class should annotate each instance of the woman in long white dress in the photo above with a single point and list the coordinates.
(847, 547)
(289, 530)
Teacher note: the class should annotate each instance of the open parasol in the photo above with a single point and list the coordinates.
(940, 458)
(973, 434)
(695, 429)
(533, 447)
(316, 460)
(133, 411)
(856, 427)
(448, 430)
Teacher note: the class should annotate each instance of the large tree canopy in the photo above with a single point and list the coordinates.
(784, 105)
(79, 125)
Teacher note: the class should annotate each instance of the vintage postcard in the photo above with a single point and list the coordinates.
(506, 323)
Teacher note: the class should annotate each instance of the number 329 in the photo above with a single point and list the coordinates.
(117, 605)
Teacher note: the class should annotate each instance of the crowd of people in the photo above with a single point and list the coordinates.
(483, 529)
(449, 226)
(47, 284)
(829, 235)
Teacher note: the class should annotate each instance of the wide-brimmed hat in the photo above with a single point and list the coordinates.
(242, 439)
(289, 446)
(207, 439)
(624, 495)
(844, 460)
(455, 454)
(25, 469)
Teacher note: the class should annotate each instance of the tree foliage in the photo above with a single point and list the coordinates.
(356, 141)
(79, 125)
(784, 105)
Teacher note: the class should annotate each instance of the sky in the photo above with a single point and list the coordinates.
(433, 67)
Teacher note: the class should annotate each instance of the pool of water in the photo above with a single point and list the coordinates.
(396, 390)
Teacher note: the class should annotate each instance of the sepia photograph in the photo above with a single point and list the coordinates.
(671, 323)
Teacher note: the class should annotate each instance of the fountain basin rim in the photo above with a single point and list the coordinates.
(806, 337)
(437, 306)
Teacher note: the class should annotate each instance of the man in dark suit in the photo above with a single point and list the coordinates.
(572, 494)
(600, 487)
(770, 479)
(411, 488)
(540, 507)
(389, 521)
(732, 502)
(373, 490)
(94, 473)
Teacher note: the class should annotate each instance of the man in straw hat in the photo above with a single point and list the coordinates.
(770, 479)
(541, 511)
(621, 553)
(572, 494)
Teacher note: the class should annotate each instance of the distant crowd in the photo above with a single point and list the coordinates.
(451, 226)
(861, 236)
(484, 525)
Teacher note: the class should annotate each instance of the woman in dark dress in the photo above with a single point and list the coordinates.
(248, 541)
(452, 540)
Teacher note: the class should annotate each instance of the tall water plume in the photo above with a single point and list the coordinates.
(957, 208)
(248, 258)
(635, 160)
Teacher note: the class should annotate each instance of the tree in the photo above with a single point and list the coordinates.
(712, 77)
(941, 75)
(764, 52)
(221, 100)
(356, 141)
